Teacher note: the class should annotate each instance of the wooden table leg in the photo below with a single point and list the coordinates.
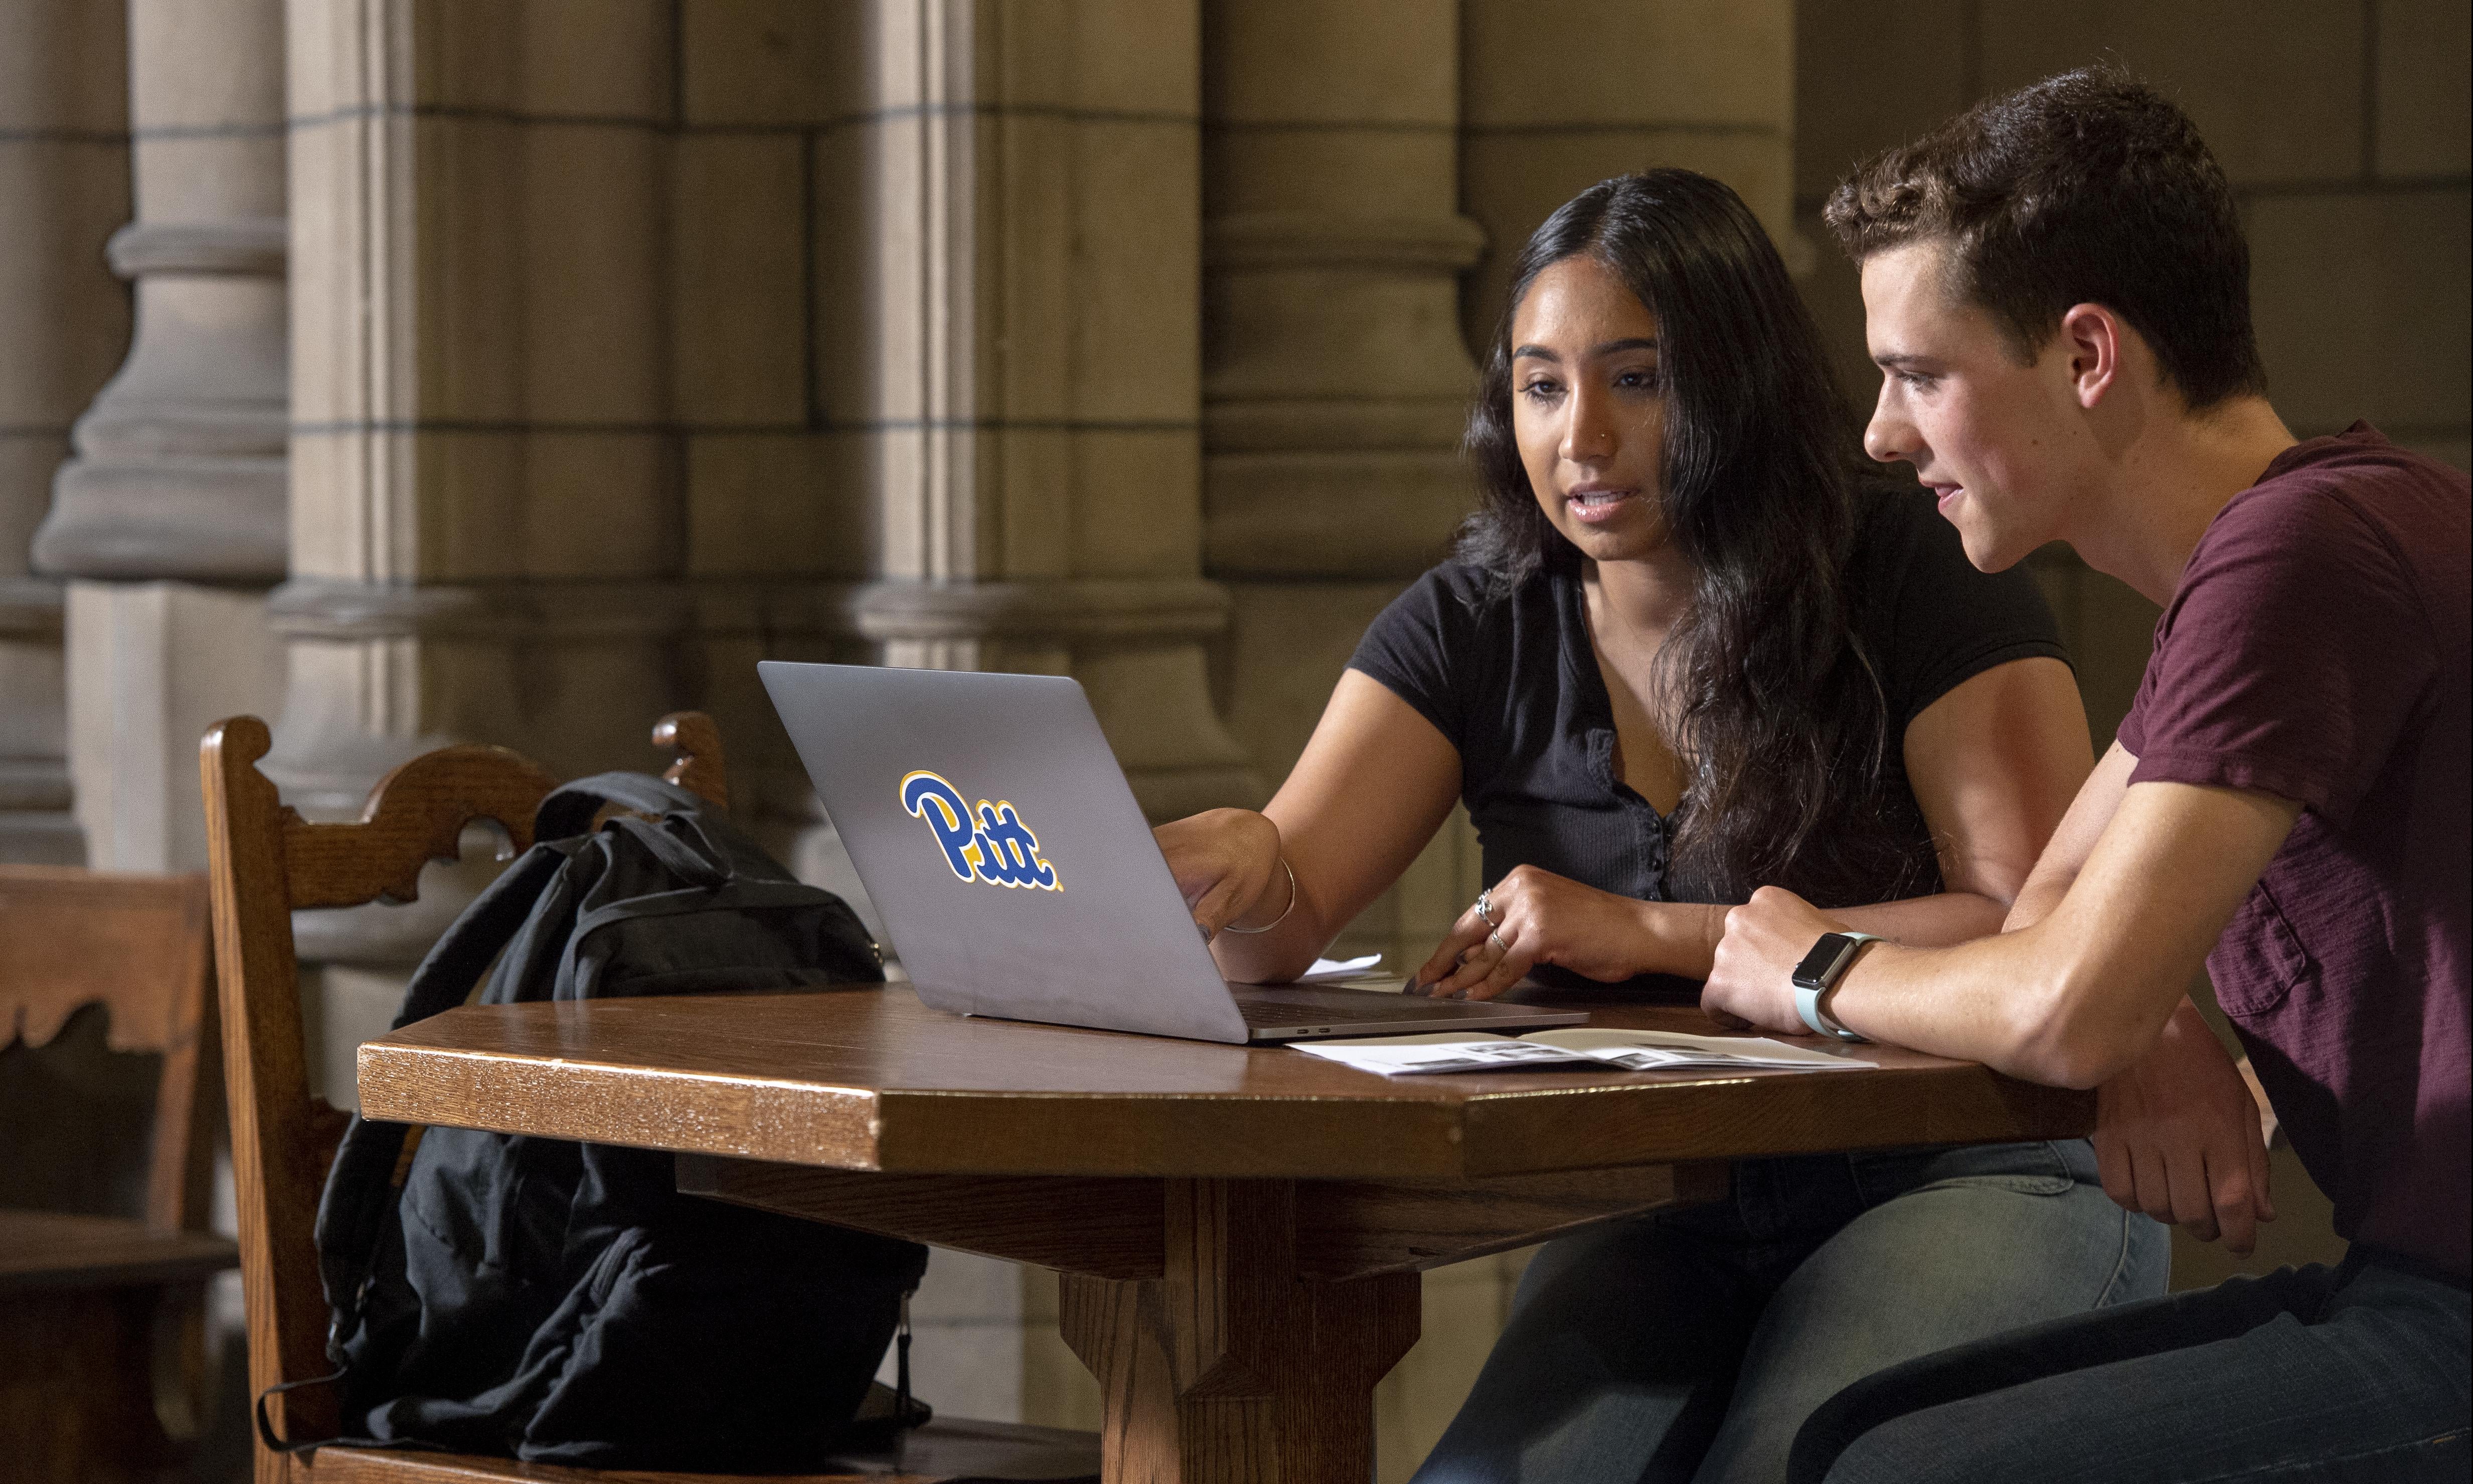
(1236, 1326)
(1230, 1368)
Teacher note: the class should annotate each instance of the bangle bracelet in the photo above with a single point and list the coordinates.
(1231, 927)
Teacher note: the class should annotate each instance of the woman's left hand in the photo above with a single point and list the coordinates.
(1539, 918)
(1752, 982)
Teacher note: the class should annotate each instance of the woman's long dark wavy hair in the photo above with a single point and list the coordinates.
(1782, 724)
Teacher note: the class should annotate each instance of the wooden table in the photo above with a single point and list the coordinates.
(1240, 1231)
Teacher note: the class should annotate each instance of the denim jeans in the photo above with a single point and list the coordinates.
(2357, 1373)
(1692, 1342)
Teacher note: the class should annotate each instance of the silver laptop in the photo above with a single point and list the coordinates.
(1017, 876)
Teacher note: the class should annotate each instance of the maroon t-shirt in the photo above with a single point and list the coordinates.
(2316, 649)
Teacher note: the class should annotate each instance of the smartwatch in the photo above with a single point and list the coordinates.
(1819, 972)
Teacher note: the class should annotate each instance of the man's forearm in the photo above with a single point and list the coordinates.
(2078, 994)
(2071, 998)
(2016, 1002)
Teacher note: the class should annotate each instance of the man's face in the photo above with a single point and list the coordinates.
(1997, 444)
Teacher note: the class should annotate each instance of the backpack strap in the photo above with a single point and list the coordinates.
(569, 809)
(360, 1186)
(457, 960)
(681, 845)
(682, 840)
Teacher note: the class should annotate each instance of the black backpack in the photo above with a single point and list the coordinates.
(561, 1302)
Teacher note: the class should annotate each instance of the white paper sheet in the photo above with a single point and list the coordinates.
(1460, 1051)
(1325, 971)
(1675, 1048)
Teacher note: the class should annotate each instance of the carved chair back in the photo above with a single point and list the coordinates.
(267, 862)
(137, 945)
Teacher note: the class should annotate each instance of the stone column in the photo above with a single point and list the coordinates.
(1616, 85)
(485, 516)
(484, 519)
(1336, 381)
(169, 519)
(1024, 383)
(65, 322)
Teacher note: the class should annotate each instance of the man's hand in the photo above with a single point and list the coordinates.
(2178, 1137)
(1752, 981)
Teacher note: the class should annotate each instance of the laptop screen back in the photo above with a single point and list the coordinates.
(998, 841)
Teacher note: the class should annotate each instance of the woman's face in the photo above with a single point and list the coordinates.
(1586, 408)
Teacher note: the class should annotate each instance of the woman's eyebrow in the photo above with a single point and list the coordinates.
(1610, 347)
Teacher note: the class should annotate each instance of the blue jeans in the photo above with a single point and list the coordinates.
(1691, 1344)
(2358, 1373)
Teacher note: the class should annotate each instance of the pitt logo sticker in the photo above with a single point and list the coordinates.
(995, 846)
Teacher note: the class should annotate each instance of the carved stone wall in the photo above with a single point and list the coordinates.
(1334, 377)
(1615, 85)
(852, 330)
(485, 513)
(64, 323)
(168, 521)
(179, 473)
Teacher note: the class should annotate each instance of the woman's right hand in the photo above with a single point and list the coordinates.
(1227, 865)
(1541, 917)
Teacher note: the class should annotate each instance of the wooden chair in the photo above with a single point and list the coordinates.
(100, 1317)
(267, 862)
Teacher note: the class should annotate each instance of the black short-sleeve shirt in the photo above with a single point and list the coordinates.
(1512, 681)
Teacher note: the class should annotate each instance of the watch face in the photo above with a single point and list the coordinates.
(1819, 967)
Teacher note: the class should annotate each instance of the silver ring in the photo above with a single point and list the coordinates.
(1497, 940)
(1486, 909)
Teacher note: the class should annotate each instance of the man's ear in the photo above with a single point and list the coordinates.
(2093, 338)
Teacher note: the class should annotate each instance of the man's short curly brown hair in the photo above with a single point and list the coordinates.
(2089, 187)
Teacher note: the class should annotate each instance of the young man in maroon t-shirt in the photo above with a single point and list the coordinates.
(2056, 290)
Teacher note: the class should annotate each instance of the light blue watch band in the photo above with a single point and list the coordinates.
(1807, 1002)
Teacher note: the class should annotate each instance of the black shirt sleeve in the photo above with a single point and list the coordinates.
(1424, 649)
(1930, 620)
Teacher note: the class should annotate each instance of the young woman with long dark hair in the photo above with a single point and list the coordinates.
(1685, 650)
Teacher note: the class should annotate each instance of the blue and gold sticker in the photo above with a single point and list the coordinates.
(991, 844)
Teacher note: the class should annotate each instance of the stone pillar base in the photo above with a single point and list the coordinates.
(151, 666)
(214, 518)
